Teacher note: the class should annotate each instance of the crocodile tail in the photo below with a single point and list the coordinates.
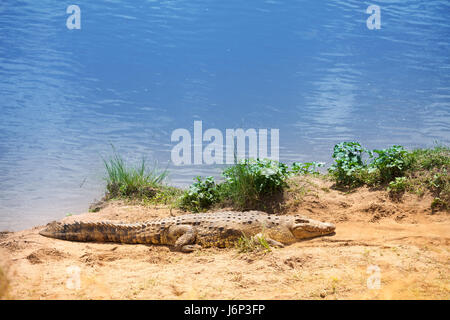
(92, 231)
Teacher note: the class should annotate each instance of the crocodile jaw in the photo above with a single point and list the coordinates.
(305, 228)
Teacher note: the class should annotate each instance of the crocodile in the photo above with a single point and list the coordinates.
(189, 232)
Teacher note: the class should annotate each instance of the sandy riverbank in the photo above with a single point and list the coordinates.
(404, 239)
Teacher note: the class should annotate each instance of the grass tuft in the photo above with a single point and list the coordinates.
(429, 170)
(247, 244)
(125, 181)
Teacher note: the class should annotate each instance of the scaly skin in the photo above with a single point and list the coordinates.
(191, 231)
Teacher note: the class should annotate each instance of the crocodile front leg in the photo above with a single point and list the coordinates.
(270, 241)
(185, 236)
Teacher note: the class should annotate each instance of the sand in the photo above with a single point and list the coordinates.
(383, 249)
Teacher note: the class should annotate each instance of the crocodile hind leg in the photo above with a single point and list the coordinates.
(185, 236)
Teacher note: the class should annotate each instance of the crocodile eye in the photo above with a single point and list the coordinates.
(300, 220)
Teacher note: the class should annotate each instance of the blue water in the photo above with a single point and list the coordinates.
(137, 70)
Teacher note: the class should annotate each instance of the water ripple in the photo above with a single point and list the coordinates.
(138, 70)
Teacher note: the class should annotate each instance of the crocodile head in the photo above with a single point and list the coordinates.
(305, 228)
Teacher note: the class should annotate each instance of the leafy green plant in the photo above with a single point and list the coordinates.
(350, 168)
(439, 184)
(246, 185)
(390, 163)
(438, 203)
(349, 162)
(399, 185)
(267, 176)
(200, 195)
(438, 180)
(306, 168)
(249, 181)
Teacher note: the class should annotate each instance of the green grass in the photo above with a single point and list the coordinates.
(240, 191)
(428, 170)
(166, 195)
(247, 244)
(399, 185)
(428, 159)
(126, 181)
(259, 184)
(395, 169)
(253, 183)
(249, 184)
